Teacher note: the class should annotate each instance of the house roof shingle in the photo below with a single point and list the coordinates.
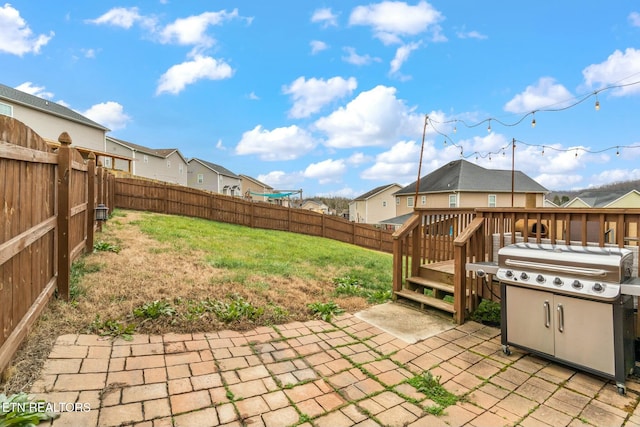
(373, 192)
(50, 107)
(216, 168)
(461, 175)
(157, 152)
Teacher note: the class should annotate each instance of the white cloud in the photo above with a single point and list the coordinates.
(281, 180)
(309, 96)
(191, 31)
(391, 20)
(317, 46)
(618, 67)
(327, 171)
(345, 192)
(463, 34)
(402, 54)
(374, 118)
(38, 91)
(16, 37)
(614, 175)
(353, 58)
(545, 93)
(559, 181)
(109, 114)
(253, 96)
(634, 19)
(398, 164)
(122, 17)
(357, 159)
(326, 17)
(200, 67)
(220, 146)
(285, 143)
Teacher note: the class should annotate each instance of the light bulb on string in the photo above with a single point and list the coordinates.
(618, 151)
(489, 127)
(455, 127)
(597, 102)
(543, 150)
(533, 122)
(445, 142)
(576, 153)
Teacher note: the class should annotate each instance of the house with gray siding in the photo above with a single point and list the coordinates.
(208, 176)
(162, 164)
(49, 119)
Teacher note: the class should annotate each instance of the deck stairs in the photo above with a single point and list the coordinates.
(433, 287)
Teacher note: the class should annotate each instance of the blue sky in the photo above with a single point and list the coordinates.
(331, 97)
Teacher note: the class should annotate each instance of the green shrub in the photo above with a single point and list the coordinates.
(431, 387)
(112, 328)
(106, 247)
(488, 312)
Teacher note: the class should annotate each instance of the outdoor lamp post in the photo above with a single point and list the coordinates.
(102, 212)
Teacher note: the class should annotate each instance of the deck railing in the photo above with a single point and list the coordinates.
(464, 235)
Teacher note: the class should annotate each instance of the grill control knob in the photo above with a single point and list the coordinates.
(540, 278)
(509, 273)
(524, 276)
(557, 281)
(576, 284)
(597, 287)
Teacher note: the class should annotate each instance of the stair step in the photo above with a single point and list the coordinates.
(426, 300)
(432, 284)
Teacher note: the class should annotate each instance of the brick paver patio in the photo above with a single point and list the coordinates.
(343, 373)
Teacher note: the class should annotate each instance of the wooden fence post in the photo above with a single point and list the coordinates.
(91, 200)
(64, 215)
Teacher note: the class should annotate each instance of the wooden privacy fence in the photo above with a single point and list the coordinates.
(154, 196)
(47, 201)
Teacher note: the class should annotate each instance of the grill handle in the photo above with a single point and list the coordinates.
(560, 318)
(547, 314)
(594, 272)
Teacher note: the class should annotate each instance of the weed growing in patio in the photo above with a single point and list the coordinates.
(431, 387)
(20, 410)
(112, 328)
(325, 310)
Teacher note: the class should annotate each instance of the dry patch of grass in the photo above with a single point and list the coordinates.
(152, 285)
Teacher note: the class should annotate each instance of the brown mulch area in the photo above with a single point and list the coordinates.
(144, 271)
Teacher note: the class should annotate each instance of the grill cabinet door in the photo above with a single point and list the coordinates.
(530, 319)
(587, 334)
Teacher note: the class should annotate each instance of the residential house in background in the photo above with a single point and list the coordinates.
(462, 184)
(605, 199)
(163, 164)
(374, 206)
(315, 206)
(49, 119)
(255, 190)
(208, 176)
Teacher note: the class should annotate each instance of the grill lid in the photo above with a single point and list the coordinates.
(609, 264)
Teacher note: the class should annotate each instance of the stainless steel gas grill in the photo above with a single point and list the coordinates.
(565, 303)
(571, 304)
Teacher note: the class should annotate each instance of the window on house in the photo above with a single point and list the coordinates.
(145, 158)
(6, 110)
(423, 200)
(410, 201)
(180, 168)
(453, 200)
(168, 163)
(384, 203)
(397, 201)
(492, 200)
(106, 162)
(200, 178)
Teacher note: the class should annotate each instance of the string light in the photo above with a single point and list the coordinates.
(478, 155)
